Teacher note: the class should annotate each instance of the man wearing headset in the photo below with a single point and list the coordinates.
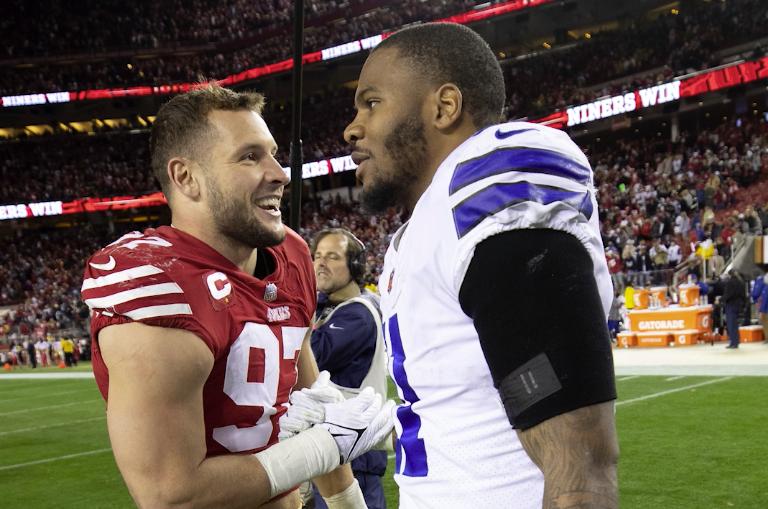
(347, 340)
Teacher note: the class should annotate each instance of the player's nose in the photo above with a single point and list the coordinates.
(354, 131)
(275, 174)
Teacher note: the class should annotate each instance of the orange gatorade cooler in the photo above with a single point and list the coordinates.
(686, 337)
(751, 333)
(641, 299)
(626, 339)
(654, 338)
(659, 294)
(689, 295)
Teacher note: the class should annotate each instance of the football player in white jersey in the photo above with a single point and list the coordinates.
(495, 292)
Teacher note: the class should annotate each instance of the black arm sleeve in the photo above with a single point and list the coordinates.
(535, 305)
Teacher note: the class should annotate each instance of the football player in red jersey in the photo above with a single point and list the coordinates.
(202, 328)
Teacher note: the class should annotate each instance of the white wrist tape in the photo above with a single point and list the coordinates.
(309, 454)
(351, 498)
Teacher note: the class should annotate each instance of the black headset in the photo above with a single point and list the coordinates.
(357, 266)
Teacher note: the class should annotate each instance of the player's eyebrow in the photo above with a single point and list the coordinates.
(361, 92)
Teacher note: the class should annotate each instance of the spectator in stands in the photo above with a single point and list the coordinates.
(659, 255)
(763, 216)
(734, 298)
(643, 265)
(347, 340)
(752, 220)
(674, 256)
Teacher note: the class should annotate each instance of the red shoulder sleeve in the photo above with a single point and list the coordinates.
(125, 284)
(298, 252)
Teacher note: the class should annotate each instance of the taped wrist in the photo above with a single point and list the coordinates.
(350, 498)
(309, 454)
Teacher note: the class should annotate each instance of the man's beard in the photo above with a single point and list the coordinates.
(406, 146)
(234, 219)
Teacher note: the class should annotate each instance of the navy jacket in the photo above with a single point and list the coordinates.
(344, 346)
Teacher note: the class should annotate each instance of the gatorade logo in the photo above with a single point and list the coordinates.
(661, 325)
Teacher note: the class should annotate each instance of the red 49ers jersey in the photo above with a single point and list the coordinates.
(254, 328)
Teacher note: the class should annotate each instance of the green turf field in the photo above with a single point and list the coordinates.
(690, 442)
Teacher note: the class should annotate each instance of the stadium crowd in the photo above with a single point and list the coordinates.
(116, 162)
(40, 276)
(109, 73)
(700, 194)
(675, 43)
(94, 27)
(662, 202)
(690, 40)
(74, 166)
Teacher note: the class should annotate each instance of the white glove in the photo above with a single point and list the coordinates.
(322, 392)
(306, 406)
(358, 423)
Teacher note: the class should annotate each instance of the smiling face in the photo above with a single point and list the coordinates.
(243, 181)
(388, 133)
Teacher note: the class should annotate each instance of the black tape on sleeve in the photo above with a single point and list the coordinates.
(527, 385)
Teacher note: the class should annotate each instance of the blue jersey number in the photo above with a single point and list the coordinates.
(409, 443)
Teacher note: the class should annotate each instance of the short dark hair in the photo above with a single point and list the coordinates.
(182, 123)
(354, 247)
(450, 53)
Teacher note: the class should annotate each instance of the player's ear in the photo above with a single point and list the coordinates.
(449, 103)
(183, 177)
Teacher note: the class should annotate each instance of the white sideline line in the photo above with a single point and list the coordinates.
(674, 378)
(51, 425)
(627, 378)
(48, 376)
(45, 395)
(19, 465)
(48, 407)
(663, 393)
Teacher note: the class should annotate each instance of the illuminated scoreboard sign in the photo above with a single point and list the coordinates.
(33, 99)
(56, 208)
(21, 211)
(705, 82)
(351, 47)
(611, 106)
(325, 167)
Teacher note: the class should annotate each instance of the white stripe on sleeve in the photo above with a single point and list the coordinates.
(136, 293)
(154, 311)
(120, 277)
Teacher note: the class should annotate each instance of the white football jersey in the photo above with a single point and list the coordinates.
(456, 447)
